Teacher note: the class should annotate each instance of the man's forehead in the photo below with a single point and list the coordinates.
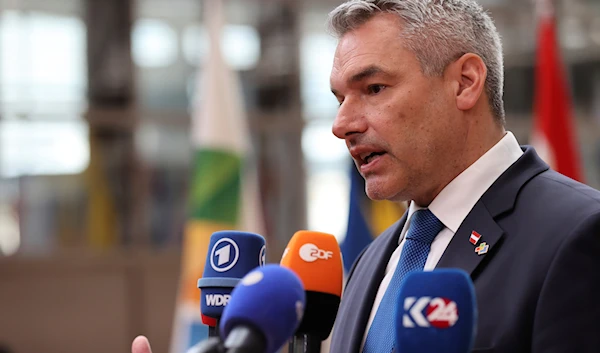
(368, 45)
(353, 54)
(361, 61)
(357, 43)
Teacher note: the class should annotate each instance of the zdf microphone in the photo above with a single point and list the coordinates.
(316, 258)
(264, 311)
(436, 312)
(231, 255)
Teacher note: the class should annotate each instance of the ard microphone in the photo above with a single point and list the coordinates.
(231, 255)
(264, 311)
(436, 313)
(316, 258)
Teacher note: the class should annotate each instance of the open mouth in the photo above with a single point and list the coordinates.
(372, 156)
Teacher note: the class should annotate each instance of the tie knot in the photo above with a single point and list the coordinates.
(424, 226)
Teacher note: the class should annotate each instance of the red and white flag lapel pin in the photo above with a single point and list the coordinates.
(474, 238)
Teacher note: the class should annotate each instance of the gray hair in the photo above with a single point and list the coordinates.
(438, 32)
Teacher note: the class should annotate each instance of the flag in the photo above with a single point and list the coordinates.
(223, 191)
(553, 132)
(366, 219)
(474, 238)
(358, 234)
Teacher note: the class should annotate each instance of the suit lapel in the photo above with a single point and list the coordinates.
(498, 201)
(461, 253)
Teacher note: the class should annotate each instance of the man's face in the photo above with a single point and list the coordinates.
(401, 127)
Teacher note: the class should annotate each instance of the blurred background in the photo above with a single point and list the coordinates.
(97, 159)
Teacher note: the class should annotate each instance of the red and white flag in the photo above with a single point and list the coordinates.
(474, 238)
(553, 133)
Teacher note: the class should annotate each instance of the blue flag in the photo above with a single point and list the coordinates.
(358, 234)
(366, 219)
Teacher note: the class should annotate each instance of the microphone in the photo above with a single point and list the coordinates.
(231, 255)
(316, 258)
(264, 311)
(436, 312)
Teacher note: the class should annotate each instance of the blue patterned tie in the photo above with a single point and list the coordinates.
(424, 227)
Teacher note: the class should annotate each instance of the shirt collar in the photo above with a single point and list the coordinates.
(452, 205)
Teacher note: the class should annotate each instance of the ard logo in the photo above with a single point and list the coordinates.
(224, 255)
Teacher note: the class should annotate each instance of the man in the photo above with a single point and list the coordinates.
(420, 89)
(419, 84)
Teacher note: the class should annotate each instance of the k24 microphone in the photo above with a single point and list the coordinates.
(316, 258)
(264, 311)
(436, 313)
(231, 255)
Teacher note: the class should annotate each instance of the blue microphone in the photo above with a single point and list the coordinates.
(436, 313)
(265, 310)
(231, 255)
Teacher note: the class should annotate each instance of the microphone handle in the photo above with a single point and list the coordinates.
(210, 345)
(245, 339)
(303, 343)
(213, 331)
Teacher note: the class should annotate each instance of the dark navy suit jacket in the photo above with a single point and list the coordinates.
(537, 288)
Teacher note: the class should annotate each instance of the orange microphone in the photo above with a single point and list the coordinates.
(316, 258)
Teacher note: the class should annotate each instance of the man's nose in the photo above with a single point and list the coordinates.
(348, 121)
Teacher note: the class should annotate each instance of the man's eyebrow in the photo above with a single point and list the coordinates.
(367, 72)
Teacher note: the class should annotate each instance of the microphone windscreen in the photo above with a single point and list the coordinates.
(271, 300)
(316, 258)
(231, 255)
(436, 312)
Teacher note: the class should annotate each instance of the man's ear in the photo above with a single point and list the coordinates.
(470, 72)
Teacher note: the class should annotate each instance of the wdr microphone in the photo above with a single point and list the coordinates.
(231, 255)
(436, 313)
(316, 258)
(264, 311)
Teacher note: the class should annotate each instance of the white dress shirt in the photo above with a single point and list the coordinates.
(452, 205)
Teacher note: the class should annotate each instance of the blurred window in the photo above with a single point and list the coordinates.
(42, 65)
(154, 43)
(240, 45)
(328, 181)
(42, 94)
(43, 84)
(316, 53)
(43, 147)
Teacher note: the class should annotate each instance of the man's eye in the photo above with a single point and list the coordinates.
(374, 89)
